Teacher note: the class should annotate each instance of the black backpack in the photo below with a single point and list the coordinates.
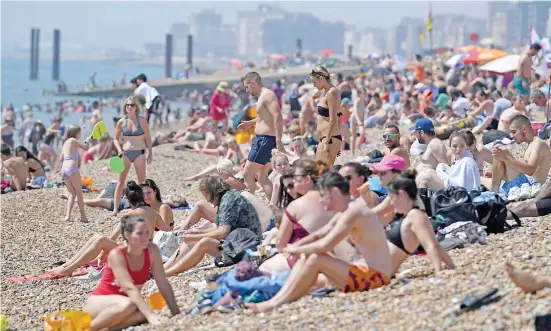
(452, 204)
(492, 212)
(233, 247)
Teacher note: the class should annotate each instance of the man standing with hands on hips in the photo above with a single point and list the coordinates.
(268, 130)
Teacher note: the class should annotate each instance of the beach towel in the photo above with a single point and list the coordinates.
(49, 276)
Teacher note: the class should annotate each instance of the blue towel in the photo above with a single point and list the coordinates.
(266, 287)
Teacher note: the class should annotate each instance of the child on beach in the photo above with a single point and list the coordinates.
(70, 171)
(280, 164)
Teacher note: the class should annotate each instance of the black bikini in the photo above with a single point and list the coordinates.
(395, 236)
(325, 113)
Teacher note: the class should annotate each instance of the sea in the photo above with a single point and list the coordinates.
(17, 89)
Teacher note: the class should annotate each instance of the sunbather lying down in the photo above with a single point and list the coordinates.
(527, 281)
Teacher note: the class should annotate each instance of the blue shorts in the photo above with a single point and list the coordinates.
(518, 86)
(516, 182)
(39, 180)
(123, 204)
(261, 151)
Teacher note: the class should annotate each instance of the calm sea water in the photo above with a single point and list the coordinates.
(18, 89)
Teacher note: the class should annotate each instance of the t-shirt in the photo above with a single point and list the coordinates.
(148, 92)
(237, 212)
(442, 100)
(460, 106)
(500, 106)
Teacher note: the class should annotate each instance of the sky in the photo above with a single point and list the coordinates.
(130, 24)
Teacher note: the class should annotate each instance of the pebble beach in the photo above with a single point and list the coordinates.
(34, 236)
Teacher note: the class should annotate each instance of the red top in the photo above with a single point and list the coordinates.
(108, 284)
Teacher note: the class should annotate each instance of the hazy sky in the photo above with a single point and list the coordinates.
(130, 24)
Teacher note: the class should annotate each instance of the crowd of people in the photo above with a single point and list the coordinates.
(347, 226)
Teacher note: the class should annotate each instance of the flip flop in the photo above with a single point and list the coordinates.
(472, 302)
(323, 292)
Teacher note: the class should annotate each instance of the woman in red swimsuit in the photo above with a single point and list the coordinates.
(117, 303)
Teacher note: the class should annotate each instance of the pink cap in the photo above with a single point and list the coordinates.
(391, 162)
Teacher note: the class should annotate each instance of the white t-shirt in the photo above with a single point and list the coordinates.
(463, 173)
(460, 106)
(148, 92)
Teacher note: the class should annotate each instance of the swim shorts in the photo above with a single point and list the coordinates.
(505, 187)
(543, 206)
(261, 151)
(362, 278)
(518, 86)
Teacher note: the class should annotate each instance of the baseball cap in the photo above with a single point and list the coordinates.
(391, 162)
(346, 102)
(423, 124)
(461, 104)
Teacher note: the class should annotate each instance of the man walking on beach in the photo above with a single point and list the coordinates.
(268, 130)
(152, 98)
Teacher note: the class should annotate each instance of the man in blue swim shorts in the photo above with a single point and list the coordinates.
(510, 174)
(523, 77)
(268, 129)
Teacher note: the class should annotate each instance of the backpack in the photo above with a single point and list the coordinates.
(492, 211)
(452, 204)
(233, 247)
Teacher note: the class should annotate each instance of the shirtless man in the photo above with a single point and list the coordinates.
(197, 130)
(540, 98)
(392, 138)
(268, 130)
(16, 167)
(435, 153)
(508, 172)
(371, 267)
(517, 109)
(523, 77)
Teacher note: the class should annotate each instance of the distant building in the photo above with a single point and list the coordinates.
(280, 34)
(210, 36)
(152, 50)
(451, 31)
(511, 22)
(365, 41)
(250, 29)
(180, 32)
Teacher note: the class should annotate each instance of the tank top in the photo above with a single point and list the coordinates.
(108, 284)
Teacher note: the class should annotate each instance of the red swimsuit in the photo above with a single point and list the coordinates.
(109, 285)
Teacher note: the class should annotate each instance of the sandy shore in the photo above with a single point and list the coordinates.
(33, 237)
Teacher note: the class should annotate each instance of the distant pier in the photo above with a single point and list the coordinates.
(173, 88)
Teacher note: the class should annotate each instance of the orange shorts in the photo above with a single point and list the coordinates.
(361, 278)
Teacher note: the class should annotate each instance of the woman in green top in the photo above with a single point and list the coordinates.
(443, 98)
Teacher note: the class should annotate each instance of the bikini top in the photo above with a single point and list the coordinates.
(128, 133)
(323, 111)
(299, 231)
(394, 235)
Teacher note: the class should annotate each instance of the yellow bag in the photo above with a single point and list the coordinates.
(68, 321)
(242, 137)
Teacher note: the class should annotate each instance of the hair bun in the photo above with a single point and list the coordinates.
(410, 173)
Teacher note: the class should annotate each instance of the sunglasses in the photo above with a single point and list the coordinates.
(390, 135)
(130, 105)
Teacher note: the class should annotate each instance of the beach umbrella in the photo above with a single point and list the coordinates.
(455, 60)
(509, 63)
(327, 52)
(237, 63)
(278, 57)
(468, 48)
(483, 56)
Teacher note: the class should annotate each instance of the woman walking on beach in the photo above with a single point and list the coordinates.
(70, 171)
(329, 126)
(135, 132)
(116, 303)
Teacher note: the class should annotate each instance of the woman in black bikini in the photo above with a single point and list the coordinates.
(329, 127)
(135, 132)
(411, 227)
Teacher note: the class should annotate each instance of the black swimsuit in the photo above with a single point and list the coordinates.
(325, 113)
(395, 236)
